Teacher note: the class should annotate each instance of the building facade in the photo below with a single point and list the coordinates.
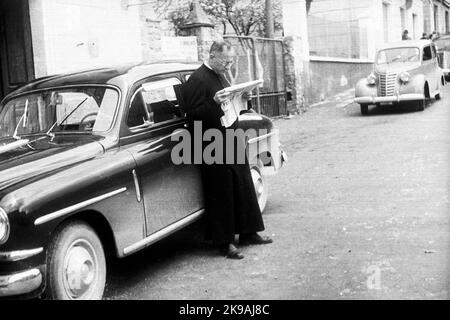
(44, 37)
(436, 16)
(340, 38)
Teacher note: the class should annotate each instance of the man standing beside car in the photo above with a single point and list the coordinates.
(231, 202)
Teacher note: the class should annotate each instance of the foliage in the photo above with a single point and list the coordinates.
(245, 18)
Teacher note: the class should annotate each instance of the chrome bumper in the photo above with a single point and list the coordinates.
(20, 283)
(396, 98)
(275, 149)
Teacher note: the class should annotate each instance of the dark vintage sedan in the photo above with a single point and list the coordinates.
(86, 171)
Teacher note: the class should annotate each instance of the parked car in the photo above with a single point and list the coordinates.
(86, 171)
(443, 49)
(407, 71)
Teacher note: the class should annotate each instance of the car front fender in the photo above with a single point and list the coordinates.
(415, 85)
(364, 89)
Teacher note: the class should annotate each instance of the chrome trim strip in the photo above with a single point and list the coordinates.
(136, 185)
(19, 255)
(75, 207)
(163, 233)
(20, 283)
(261, 137)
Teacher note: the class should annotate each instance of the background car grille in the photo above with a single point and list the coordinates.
(387, 84)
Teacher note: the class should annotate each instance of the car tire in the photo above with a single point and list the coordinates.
(76, 265)
(421, 105)
(440, 95)
(364, 109)
(260, 183)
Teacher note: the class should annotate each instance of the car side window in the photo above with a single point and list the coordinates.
(427, 54)
(137, 115)
(434, 51)
(155, 102)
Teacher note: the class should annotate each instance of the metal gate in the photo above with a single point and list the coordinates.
(262, 58)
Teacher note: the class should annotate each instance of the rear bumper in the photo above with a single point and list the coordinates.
(396, 98)
(20, 283)
(268, 143)
(279, 157)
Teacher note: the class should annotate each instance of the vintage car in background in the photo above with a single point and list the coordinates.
(443, 49)
(86, 172)
(407, 71)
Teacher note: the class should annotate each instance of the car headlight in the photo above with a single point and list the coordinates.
(404, 77)
(371, 79)
(4, 226)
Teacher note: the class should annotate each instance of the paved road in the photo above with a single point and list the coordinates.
(360, 212)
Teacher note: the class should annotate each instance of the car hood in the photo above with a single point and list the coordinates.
(396, 67)
(31, 158)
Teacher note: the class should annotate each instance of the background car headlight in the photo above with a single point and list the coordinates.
(4, 226)
(404, 77)
(371, 79)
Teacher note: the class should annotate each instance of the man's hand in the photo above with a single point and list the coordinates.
(222, 96)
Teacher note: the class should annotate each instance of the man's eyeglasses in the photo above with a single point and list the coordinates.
(225, 63)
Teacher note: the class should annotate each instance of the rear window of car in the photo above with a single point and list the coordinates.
(155, 102)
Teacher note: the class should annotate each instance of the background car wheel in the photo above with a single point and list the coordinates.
(76, 266)
(364, 109)
(421, 105)
(260, 183)
(440, 95)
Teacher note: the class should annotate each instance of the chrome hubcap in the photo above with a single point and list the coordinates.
(80, 269)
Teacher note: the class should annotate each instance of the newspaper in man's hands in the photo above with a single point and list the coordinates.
(235, 105)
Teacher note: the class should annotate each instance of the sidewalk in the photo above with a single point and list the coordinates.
(340, 100)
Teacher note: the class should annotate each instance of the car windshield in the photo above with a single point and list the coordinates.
(398, 55)
(83, 109)
(443, 44)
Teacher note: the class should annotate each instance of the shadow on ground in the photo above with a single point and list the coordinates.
(396, 109)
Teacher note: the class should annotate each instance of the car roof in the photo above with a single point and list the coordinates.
(406, 43)
(443, 37)
(102, 76)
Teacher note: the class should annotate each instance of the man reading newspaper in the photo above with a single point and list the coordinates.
(234, 105)
(230, 199)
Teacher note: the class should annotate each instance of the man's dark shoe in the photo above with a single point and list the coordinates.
(254, 239)
(231, 252)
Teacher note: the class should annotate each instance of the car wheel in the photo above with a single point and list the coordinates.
(76, 266)
(421, 105)
(364, 109)
(440, 95)
(260, 183)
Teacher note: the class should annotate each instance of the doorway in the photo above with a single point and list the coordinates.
(16, 53)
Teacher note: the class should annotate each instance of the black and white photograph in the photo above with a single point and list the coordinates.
(224, 150)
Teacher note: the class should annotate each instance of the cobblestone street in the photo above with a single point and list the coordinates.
(361, 211)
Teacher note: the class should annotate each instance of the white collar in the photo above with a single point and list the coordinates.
(207, 65)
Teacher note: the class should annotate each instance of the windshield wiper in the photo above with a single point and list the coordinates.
(50, 133)
(15, 136)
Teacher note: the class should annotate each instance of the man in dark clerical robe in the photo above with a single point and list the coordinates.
(231, 202)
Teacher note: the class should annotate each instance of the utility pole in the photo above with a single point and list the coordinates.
(270, 32)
